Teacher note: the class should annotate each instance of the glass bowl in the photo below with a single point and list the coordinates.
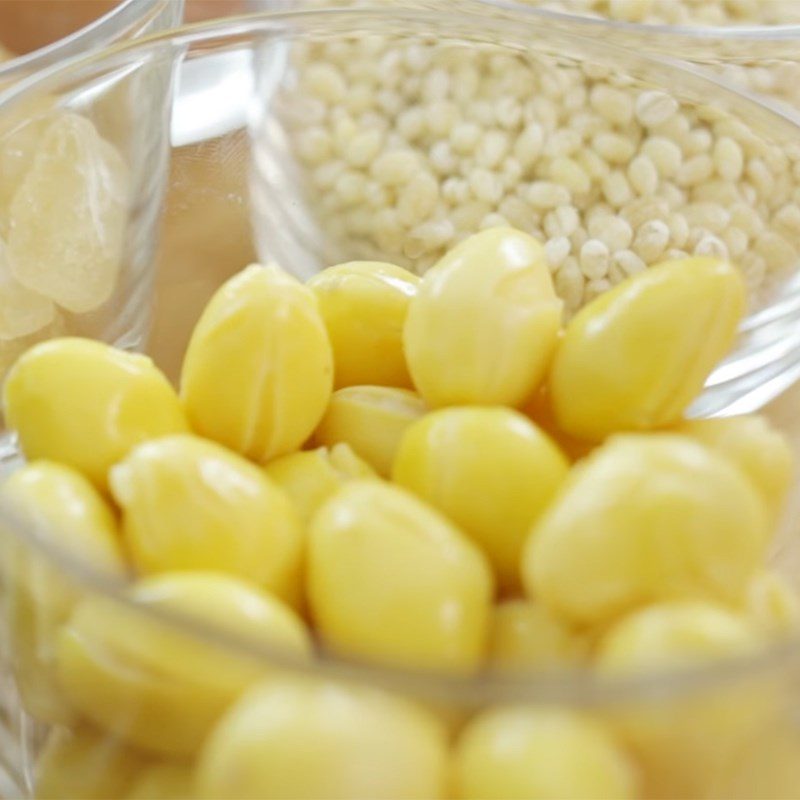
(760, 55)
(109, 213)
(459, 132)
(729, 729)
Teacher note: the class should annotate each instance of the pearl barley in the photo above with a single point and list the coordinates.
(465, 139)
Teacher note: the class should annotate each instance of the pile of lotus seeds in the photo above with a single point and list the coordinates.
(432, 474)
(407, 147)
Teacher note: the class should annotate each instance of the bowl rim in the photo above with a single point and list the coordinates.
(687, 41)
(584, 687)
(101, 32)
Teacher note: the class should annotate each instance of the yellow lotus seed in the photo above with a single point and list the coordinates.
(773, 604)
(258, 372)
(527, 636)
(310, 477)
(687, 741)
(85, 763)
(540, 410)
(164, 780)
(540, 754)
(484, 323)
(190, 504)
(85, 404)
(156, 684)
(308, 740)
(643, 519)
(372, 420)
(391, 581)
(490, 470)
(364, 305)
(754, 446)
(624, 364)
(67, 512)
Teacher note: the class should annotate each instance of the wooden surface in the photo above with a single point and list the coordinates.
(206, 239)
(198, 10)
(27, 25)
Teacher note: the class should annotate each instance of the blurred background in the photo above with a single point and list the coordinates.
(27, 25)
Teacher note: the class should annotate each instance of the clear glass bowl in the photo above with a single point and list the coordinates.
(467, 135)
(126, 19)
(108, 212)
(726, 730)
(760, 57)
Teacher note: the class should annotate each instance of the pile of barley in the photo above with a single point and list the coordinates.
(410, 146)
(718, 13)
